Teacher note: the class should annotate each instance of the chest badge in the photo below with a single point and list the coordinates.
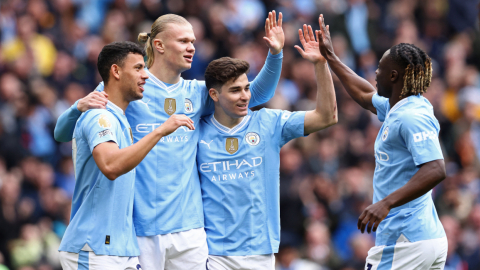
(385, 134)
(231, 145)
(170, 106)
(188, 106)
(252, 138)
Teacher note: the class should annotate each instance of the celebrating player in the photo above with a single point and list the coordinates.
(409, 161)
(168, 210)
(239, 160)
(104, 159)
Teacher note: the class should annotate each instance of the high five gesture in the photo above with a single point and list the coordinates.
(274, 36)
(310, 51)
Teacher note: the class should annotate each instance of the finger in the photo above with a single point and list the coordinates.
(274, 15)
(376, 225)
(322, 26)
(310, 33)
(272, 19)
(305, 33)
(360, 219)
(364, 223)
(318, 35)
(300, 36)
(370, 224)
(300, 51)
(280, 19)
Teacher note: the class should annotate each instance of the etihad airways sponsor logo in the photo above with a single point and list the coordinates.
(227, 165)
(149, 127)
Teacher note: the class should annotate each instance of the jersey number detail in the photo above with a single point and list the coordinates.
(369, 266)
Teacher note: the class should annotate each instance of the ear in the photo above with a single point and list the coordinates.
(115, 71)
(394, 76)
(159, 45)
(213, 94)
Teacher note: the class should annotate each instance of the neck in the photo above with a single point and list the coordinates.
(116, 97)
(395, 98)
(225, 119)
(160, 70)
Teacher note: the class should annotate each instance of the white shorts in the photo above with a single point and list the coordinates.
(87, 260)
(420, 255)
(251, 262)
(174, 251)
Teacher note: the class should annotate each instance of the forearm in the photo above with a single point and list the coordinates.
(357, 87)
(325, 113)
(66, 124)
(264, 85)
(427, 177)
(120, 161)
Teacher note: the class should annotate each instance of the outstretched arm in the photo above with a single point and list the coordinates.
(66, 122)
(358, 88)
(264, 85)
(426, 178)
(325, 113)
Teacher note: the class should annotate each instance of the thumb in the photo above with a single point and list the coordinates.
(269, 41)
(300, 51)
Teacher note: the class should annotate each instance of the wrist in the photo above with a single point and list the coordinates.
(275, 51)
(388, 203)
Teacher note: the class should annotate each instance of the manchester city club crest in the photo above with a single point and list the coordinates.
(385, 134)
(252, 138)
(170, 106)
(231, 145)
(188, 106)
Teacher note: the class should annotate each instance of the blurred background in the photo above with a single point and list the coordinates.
(48, 59)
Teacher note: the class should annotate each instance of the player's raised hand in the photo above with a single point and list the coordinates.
(174, 122)
(94, 100)
(372, 216)
(324, 39)
(274, 36)
(311, 50)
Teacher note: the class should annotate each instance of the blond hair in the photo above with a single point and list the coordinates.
(158, 26)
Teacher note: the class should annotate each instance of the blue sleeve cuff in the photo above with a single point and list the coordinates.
(275, 56)
(74, 107)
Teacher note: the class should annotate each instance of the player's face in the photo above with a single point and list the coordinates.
(178, 42)
(384, 85)
(133, 76)
(235, 96)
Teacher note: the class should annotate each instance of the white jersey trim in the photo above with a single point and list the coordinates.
(114, 107)
(398, 105)
(162, 85)
(233, 130)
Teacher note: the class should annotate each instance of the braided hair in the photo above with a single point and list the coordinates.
(418, 68)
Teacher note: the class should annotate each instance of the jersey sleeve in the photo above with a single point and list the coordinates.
(264, 85)
(381, 104)
(99, 126)
(288, 125)
(420, 133)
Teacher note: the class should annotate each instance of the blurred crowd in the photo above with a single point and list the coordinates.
(48, 59)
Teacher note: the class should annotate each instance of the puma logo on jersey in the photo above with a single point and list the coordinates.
(145, 102)
(208, 144)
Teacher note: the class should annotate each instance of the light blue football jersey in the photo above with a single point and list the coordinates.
(101, 209)
(168, 197)
(240, 178)
(407, 139)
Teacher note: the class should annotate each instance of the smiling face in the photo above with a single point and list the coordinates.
(177, 46)
(383, 76)
(234, 96)
(133, 76)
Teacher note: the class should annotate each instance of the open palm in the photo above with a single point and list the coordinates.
(274, 36)
(311, 49)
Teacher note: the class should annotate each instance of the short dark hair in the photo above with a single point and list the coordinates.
(417, 65)
(115, 53)
(224, 69)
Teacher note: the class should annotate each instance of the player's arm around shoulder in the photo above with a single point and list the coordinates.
(325, 113)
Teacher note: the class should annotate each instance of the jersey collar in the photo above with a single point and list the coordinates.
(162, 85)
(398, 105)
(115, 108)
(230, 131)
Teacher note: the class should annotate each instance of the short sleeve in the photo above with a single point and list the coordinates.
(381, 104)
(289, 125)
(420, 133)
(99, 126)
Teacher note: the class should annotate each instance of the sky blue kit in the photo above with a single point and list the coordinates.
(168, 197)
(101, 209)
(239, 172)
(407, 139)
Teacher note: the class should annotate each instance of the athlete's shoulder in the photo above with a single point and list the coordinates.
(102, 117)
